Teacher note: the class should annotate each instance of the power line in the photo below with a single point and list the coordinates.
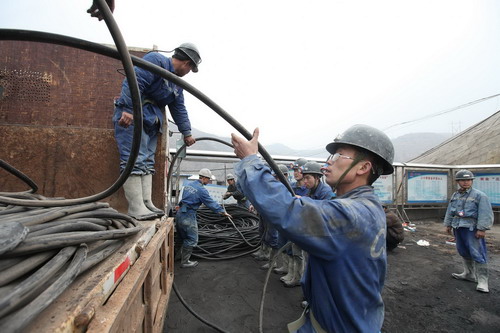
(443, 112)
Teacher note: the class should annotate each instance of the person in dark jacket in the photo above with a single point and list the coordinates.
(395, 230)
(232, 191)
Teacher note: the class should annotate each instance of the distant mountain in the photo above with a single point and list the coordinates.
(204, 144)
(411, 145)
(406, 147)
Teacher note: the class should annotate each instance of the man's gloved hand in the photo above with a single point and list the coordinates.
(226, 214)
(226, 195)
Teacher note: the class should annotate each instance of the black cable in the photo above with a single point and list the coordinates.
(7, 167)
(206, 322)
(266, 281)
(122, 54)
(44, 37)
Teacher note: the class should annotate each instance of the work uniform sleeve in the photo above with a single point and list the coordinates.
(180, 114)
(322, 228)
(144, 80)
(395, 227)
(484, 213)
(448, 217)
(209, 202)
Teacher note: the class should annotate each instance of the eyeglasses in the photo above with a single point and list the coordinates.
(336, 156)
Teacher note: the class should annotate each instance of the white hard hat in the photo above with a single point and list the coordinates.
(205, 173)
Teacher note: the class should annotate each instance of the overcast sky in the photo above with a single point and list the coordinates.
(304, 71)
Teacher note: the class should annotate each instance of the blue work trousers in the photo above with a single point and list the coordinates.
(145, 163)
(470, 247)
(187, 227)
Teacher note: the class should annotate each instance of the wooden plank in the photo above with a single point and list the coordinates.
(119, 303)
(91, 289)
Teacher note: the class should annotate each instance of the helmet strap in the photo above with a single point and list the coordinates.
(359, 157)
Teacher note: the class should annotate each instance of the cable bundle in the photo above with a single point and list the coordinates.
(42, 250)
(220, 237)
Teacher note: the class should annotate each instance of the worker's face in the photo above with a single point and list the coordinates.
(465, 183)
(310, 181)
(230, 181)
(335, 169)
(205, 180)
(182, 67)
(297, 174)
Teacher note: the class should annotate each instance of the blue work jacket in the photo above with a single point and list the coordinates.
(321, 192)
(156, 93)
(469, 209)
(299, 190)
(195, 194)
(345, 239)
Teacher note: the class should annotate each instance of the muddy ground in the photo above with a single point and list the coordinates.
(420, 295)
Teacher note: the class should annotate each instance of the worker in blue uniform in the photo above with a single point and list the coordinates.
(344, 237)
(294, 252)
(317, 190)
(193, 195)
(271, 239)
(469, 215)
(298, 185)
(156, 93)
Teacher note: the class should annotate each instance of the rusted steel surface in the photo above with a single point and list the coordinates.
(56, 105)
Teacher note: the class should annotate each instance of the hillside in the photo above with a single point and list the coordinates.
(411, 145)
(406, 147)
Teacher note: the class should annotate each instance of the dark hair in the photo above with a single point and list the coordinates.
(181, 55)
(375, 160)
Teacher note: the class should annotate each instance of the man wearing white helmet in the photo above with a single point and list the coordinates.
(344, 237)
(193, 195)
(156, 94)
(469, 215)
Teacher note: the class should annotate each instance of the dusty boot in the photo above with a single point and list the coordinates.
(147, 185)
(272, 253)
(265, 253)
(133, 193)
(468, 274)
(482, 277)
(297, 268)
(283, 268)
(259, 252)
(185, 255)
(289, 275)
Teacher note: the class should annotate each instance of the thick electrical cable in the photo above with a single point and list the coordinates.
(266, 281)
(27, 35)
(9, 168)
(122, 54)
(200, 318)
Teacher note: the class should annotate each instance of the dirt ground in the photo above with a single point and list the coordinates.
(419, 294)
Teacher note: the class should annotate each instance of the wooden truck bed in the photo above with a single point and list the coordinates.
(128, 292)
